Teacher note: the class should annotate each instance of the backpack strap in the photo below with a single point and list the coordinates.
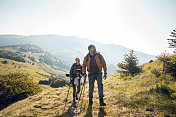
(99, 56)
(87, 57)
(74, 65)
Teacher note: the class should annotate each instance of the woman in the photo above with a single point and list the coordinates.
(75, 77)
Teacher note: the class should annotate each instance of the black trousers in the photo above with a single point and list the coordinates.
(75, 92)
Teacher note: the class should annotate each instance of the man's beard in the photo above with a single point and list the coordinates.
(94, 52)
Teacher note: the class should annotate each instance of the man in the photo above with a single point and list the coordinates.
(95, 62)
(75, 76)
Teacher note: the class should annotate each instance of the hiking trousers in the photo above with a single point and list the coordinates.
(75, 92)
(92, 79)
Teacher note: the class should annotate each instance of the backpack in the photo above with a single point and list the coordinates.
(99, 56)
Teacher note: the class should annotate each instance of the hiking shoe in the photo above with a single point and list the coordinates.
(74, 104)
(102, 104)
(90, 102)
(76, 97)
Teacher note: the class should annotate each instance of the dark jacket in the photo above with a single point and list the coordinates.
(73, 71)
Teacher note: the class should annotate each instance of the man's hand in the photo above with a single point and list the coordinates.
(71, 78)
(105, 76)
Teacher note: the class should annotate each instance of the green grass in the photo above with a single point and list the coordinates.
(51, 64)
(15, 87)
(143, 95)
(19, 67)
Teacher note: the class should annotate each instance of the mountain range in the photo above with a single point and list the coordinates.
(67, 48)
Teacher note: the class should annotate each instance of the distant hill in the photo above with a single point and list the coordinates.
(67, 48)
(145, 95)
(20, 57)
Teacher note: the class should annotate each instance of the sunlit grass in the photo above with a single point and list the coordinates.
(142, 95)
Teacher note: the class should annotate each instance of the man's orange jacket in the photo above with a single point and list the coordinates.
(101, 64)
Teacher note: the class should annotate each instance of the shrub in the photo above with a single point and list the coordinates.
(163, 57)
(150, 61)
(169, 63)
(171, 66)
(162, 90)
(14, 87)
(44, 82)
(58, 82)
(156, 72)
(31, 58)
(11, 55)
(29, 48)
(4, 62)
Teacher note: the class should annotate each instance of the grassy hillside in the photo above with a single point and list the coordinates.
(35, 64)
(27, 58)
(32, 61)
(15, 87)
(146, 94)
(33, 71)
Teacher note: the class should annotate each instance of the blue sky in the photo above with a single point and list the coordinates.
(143, 25)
